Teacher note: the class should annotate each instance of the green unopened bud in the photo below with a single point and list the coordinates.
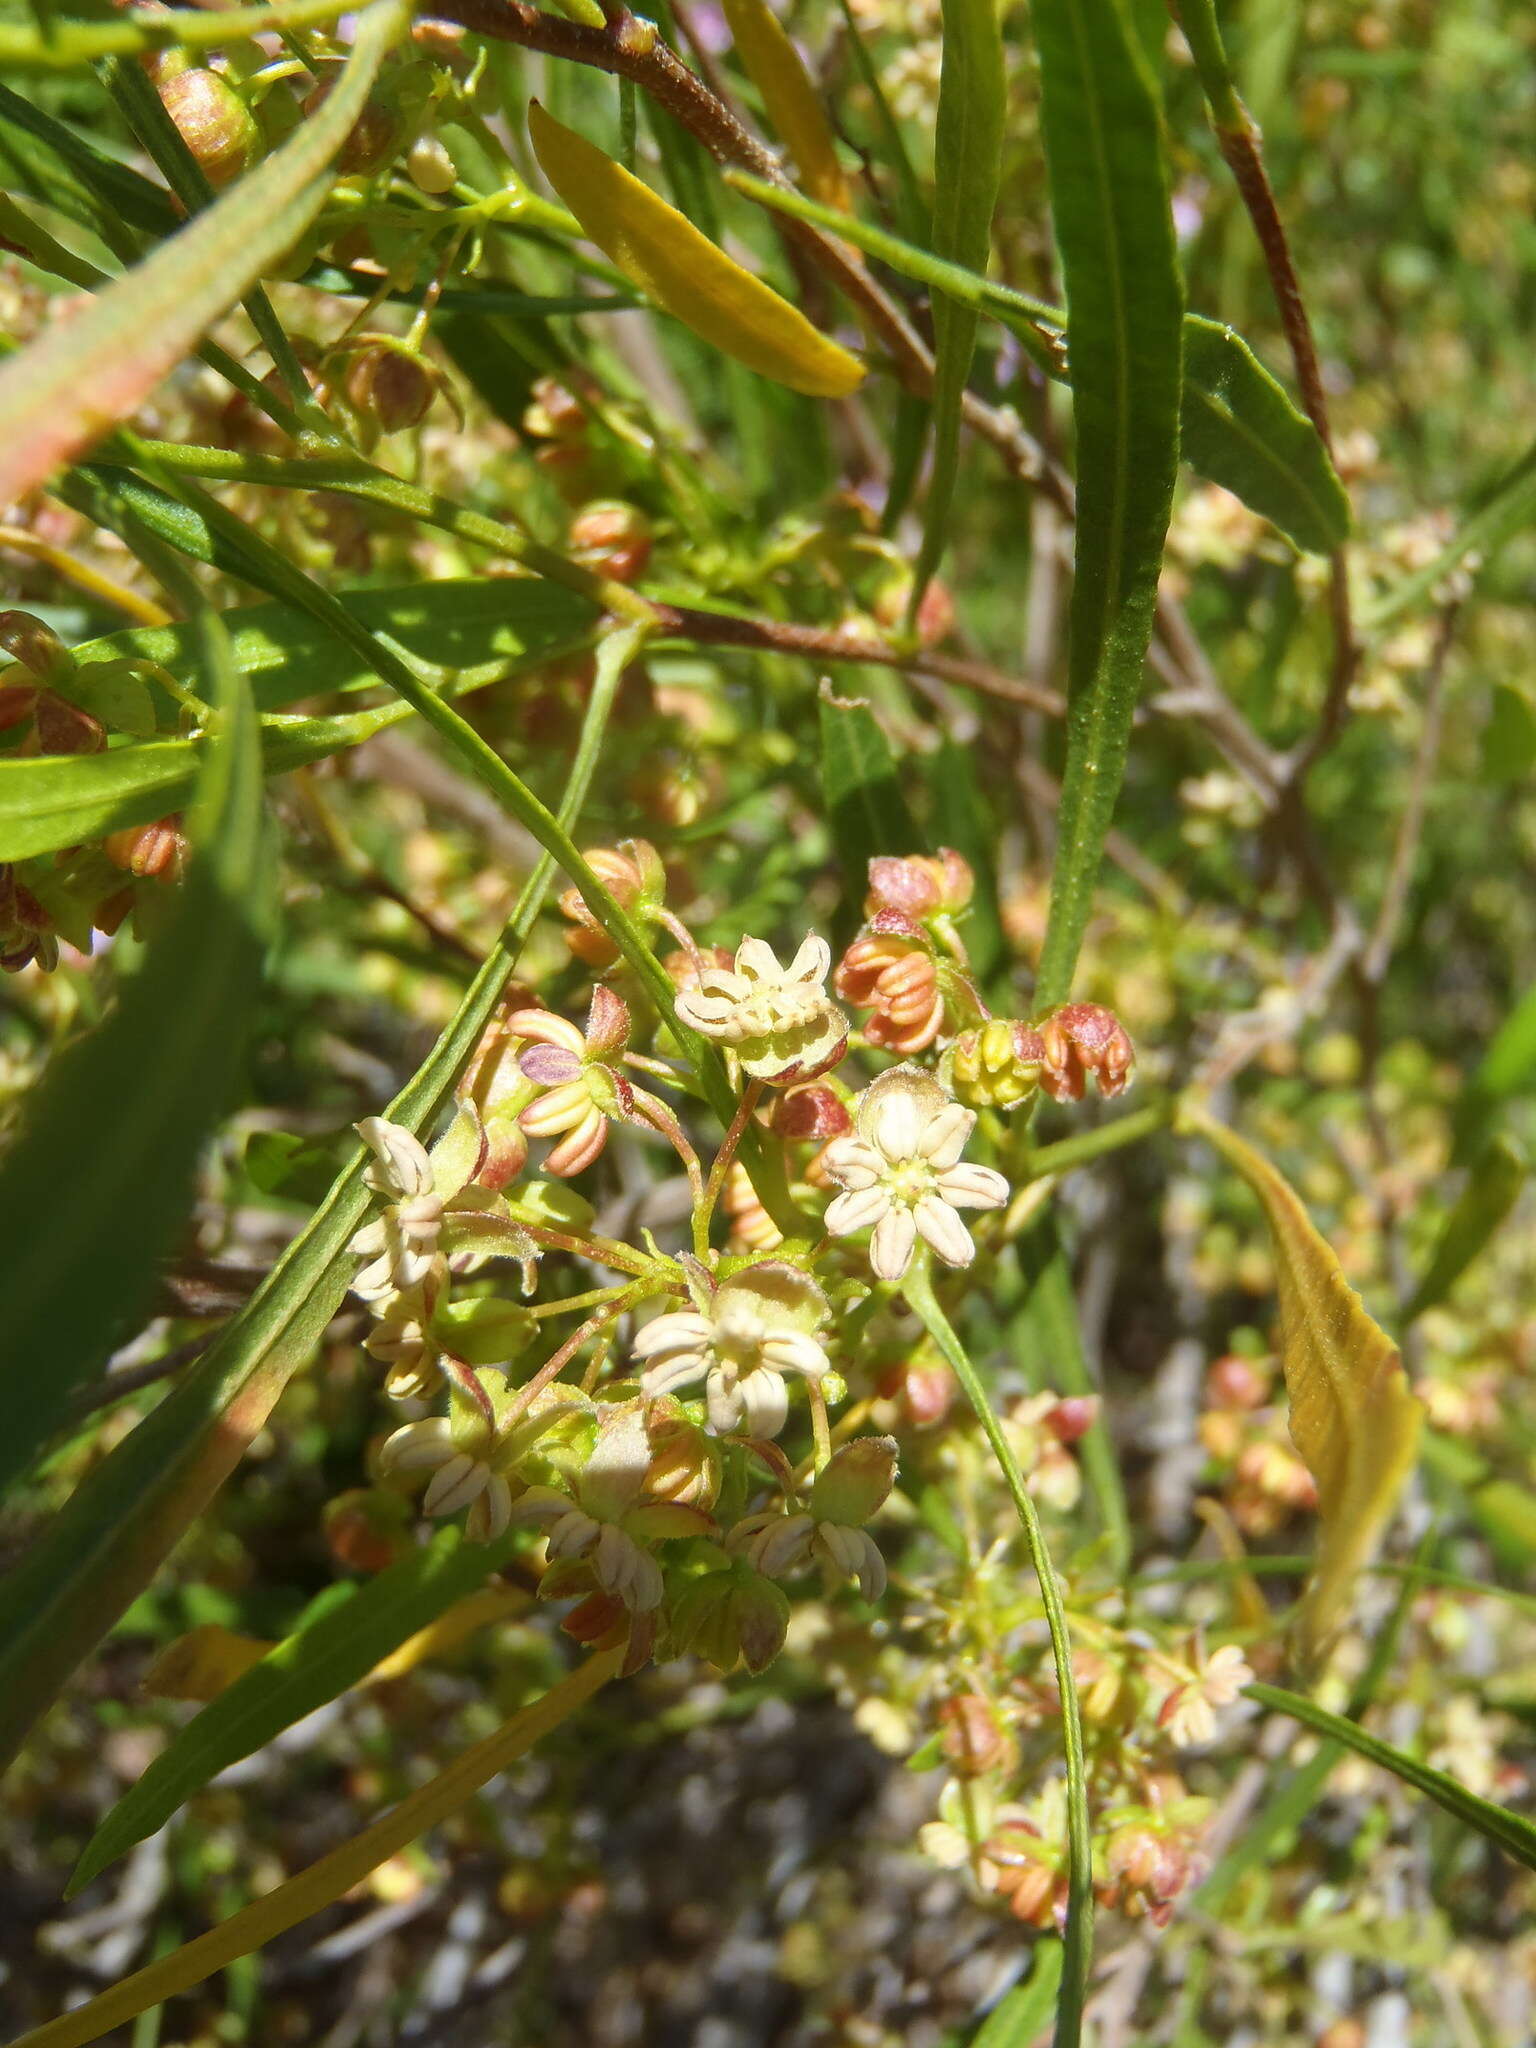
(551, 1205)
(856, 1482)
(484, 1331)
(998, 1065)
(731, 1617)
(214, 122)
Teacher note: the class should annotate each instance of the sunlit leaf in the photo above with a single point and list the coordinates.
(70, 386)
(481, 632)
(1104, 150)
(1515, 1835)
(1352, 1416)
(132, 1105)
(684, 273)
(1023, 2014)
(1238, 426)
(790, 100)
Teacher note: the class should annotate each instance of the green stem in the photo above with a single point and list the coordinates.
(1078, 1936)
(79, 42)
(1089, 1145)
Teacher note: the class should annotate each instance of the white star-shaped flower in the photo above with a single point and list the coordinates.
(741, 1340)
(779, 1021)
(901, 1173)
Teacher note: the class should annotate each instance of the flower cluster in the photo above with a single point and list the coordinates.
(676, 1454)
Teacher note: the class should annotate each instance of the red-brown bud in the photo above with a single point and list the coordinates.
(894, 973)
(935, 619)
(612, 538)
(374, 138)
(148, 851)
(1235, 1382)
(63, 728)
(812, 1110)
(919, 884)
(974, 1738)
(214, 122)
(1080, 1040)
(390, 385)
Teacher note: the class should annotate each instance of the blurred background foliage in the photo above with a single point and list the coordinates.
(737, 1863)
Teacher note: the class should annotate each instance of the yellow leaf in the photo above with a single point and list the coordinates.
(200, 1664)
(1353, 1418)
(791, 102)
(662, 252)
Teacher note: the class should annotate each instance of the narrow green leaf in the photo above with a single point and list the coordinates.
(1493, 1187)
(92, 178)
(1507, 1069)
(480, 632)
(1018, 2020)
(1507, 510)
(1242, 431)
(63, 392)
(1239, 427)
(1108, 171)
(1517, 1837)
(73, 43)
(133, 1103)
(968, 162)
(334, 1646)
(865, 807)
(961, 818)
(105, 1545)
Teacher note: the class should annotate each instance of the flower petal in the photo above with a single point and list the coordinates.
(793, 1351)
(813, 961)
(756, 959)
(890, 1249)
(945, 1135)
(765, 1400)
(942, 1228)
(402, 1166)
(856, 1211)
(853, 1163)
(678, 1330)
(972, 1187)
(726, 1406)
(455, 1485)
(897, 1125)
(671, 1373)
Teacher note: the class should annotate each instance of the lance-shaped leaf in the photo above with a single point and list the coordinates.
(486, 631)
(1352, 1416)
(790, 100)
(68, 388)
(684, 273)
(1102, 122)
(336, 1644)
(100, 1179)
(968, 161)
(1238, 426)
(1513, 1833)
(865, 807)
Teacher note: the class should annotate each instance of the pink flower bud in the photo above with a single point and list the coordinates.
(1082, 1040)
(612, 537)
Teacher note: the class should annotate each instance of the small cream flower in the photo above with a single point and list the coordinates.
(831, 1532)
(401, 1340)
(433, 1207)
(474, 1461)
(580, 1092)
(609, 1521)
(1189, 1712)
(779, 1021)
(901, 1171)
(741, 1341)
